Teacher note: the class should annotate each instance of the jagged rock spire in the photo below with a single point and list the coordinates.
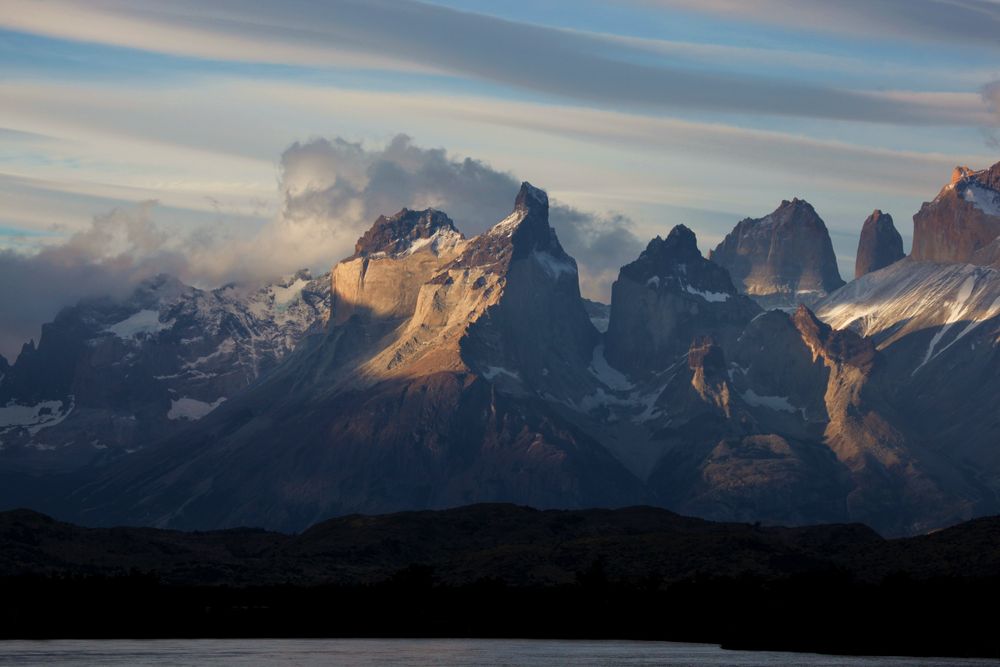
(880, 244)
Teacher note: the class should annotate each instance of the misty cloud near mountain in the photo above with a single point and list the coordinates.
(332, 191)
(118, 250)
(333, 185)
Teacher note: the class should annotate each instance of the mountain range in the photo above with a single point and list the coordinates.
(429, 370)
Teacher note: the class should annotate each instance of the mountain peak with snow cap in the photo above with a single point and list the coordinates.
(406, 231)
(962, 220)
(668, 297)
(524, 234)
(675, 262)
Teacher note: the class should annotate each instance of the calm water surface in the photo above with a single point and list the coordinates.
(443, 652)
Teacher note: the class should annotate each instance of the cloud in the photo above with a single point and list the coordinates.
(332, 190)
(108, 258)
(403, 34)
(339, 187)
(958, 22)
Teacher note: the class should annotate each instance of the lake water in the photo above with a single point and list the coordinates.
(436, 652)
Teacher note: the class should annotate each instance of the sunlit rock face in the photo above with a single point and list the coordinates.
(935, 318)
(455, 371)
(447, 376)
(880, 244)
(391, 261)
(962, 220)
(783, 258)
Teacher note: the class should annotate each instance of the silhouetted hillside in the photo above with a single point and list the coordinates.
(503, 570)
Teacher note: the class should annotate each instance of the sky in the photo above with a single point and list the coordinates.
(243, 139)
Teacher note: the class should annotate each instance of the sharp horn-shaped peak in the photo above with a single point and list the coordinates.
(531, 206)
(527, 227)
(531, 198)
(676, 263)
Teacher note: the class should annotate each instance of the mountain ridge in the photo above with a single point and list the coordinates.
(455, 370)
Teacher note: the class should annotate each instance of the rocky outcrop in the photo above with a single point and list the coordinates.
(111, 376)
(963, 219)
(382, 280)
(797, 424)
(461, 370)
(880, 244)
(784, 257)
(988, 255)
(599, 314)
(443, 380)
(913, 297)
(666, 299)
(406, 232)
(937, 328)
(735, 452)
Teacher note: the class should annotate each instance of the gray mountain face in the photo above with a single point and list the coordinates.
(937, 327)
(445, 378)
(665, 299)
(783, 258)
(880, 244)
(459, 370)
(109, 377)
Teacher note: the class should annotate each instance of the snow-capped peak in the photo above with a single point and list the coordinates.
(983, 198)
(407, 232)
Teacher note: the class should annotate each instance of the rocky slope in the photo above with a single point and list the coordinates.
(108, 377)
(792, 424)
(433, 387)
(784, 258)
(938, 328)
(459, 370)
(963, 219)
(880, 244)
(941, 303)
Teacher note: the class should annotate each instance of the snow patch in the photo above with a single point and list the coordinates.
(507, 226)
(442, 239)
(144, 322)
(712, 297)
(985, 199)
(33, 417)
(603, 371)
(554, 266)
(492, 372)
(779, 403)
(191, 408)
(227, 346)
(285, 295)
(956, 313)
(601, 323)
